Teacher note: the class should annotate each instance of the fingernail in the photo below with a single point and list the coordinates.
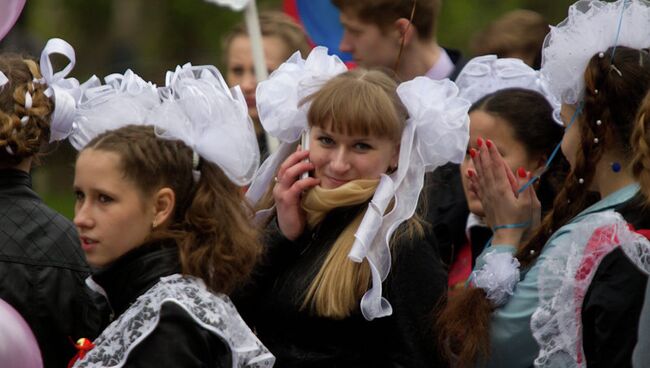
(472, 152)
(479, 142)
(488, 143)
(521, 172)
(470, 173)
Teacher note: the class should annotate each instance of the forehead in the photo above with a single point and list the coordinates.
(100, 169)
(488, 126)
(275, 51)
(352, 21)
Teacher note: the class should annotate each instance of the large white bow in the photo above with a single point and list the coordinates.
(125, 99)
(199, 109)
(487, 74)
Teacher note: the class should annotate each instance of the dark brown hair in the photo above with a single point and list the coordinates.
(614, 100)
(274, 24)
(210, 223)
(384, 13)
(530, 116)
(22, 140)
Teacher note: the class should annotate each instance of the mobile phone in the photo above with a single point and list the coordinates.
(304, 144)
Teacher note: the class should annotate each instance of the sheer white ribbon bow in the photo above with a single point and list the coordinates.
(63, 91)
(280, 112)
(487, 74)
(125, 99)
(199, 109)
(436, 133)
(592, 26)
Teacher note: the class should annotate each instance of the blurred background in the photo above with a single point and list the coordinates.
(153, 36)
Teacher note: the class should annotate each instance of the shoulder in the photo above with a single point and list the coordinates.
(167, 308)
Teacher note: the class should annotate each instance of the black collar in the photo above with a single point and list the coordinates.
(136, 272)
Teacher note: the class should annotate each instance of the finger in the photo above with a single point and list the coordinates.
(291, 160)
(499, 168)
(514, 184)
(302, 185)
(292, 174)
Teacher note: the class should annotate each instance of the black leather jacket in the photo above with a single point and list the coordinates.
(42, 270)
(177, 340)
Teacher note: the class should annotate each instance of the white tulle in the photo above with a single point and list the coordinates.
(591, 27)
(564, 279)
(196, 106)
(487, 74)
(498, 277)
(437, 132)
(232, 4)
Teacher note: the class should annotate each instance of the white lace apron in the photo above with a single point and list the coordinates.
(565, 278)
(214, 312)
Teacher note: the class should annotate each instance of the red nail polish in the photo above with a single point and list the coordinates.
(521, 172)
(472, 152)
(488, 143)
(470, 173)
(479, 142)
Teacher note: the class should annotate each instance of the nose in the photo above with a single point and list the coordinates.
(339, 163)
(248, 83)
(346, 45)
(82, 217)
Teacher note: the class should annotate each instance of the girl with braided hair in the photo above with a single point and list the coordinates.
(601, 85)
(42, 268)
(160, 213)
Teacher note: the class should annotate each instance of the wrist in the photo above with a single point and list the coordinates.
(510, 236)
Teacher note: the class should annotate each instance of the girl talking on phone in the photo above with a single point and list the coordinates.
(323, 296)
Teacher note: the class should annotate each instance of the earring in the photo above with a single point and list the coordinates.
(153, 224)
(616, 167)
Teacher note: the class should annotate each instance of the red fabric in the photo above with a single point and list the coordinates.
(83, 346)
(461, 269)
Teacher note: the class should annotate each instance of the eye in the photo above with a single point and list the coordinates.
(237, 70)
(103, 198)
(326, 141)
(360, 146)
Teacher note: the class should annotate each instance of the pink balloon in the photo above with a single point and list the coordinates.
(9, 12)
(18, 347)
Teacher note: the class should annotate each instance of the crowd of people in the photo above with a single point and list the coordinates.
(420, 209)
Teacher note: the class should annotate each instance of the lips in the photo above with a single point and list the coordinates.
(87, 244)
(336, 182)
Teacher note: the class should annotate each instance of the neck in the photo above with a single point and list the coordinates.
(25, 165)
(607, 181)
(417, 58)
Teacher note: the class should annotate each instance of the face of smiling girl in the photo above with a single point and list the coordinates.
(339, 158)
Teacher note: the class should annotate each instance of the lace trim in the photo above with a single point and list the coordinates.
(564, 279)
(214, 312)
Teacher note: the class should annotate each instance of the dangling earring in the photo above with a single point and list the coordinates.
(153, 225)
(616, 167)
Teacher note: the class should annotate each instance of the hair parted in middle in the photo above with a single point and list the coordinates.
(210, 222)
(384, 13)
(609, 97)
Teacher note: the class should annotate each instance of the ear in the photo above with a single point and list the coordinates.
(539, 165)
(394, 160)
(164, 202)
(404, 30)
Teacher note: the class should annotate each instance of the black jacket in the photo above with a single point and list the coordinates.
(42, 270)
(613, 302)
(177, 340)
(272, 305)
(446, 210)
